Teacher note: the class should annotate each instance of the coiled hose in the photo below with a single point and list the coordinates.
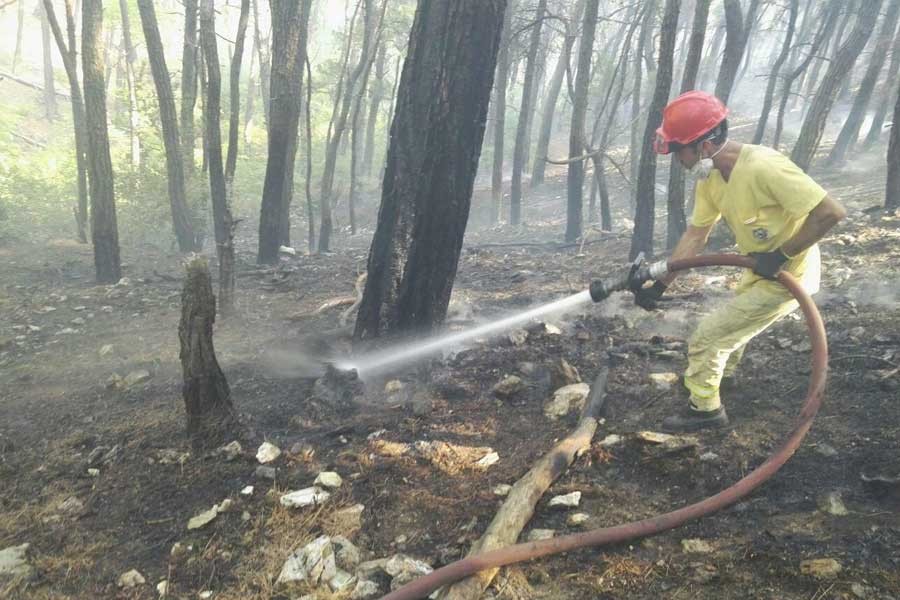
(422, 587)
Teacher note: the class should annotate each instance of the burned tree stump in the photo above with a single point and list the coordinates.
(207, 397)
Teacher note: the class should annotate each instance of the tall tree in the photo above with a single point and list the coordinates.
(104, 228)
(20, 28)
(888, 91)
(69, 53)
(500, 89)
(168, 119)
(840, 67)
(190, 58)
(849, 134)
(436, 139)
(130, 58)
(575, 177)
(737, 34)
(642, 240)
(637, 120)
(50, 108)
(376, 99)
(290, 22)
(265, 66)
(892, 190)
(518, 164)
(677, 223)
(793, 9)
(234, 84)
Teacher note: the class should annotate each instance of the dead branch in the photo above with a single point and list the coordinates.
(26, 83)
(519, 506)
(360, 286)
(28, 140)
(352, 302)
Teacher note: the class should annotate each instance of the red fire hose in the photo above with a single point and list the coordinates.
(422, 587)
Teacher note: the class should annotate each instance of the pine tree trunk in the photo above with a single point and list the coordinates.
(250, 104)
(892, 191)
(500, 89)
(374, 108)
(890, 87)
(289, 39)
(738, 30)
(676, 220)
(840, 67)
(265, 66)
(437, 134)
(104, 228)
(50, 109)
(130, 57)
(708, 70)
(20, 27)
(849, 134)
(811, 79)
(211, 418)
(518, 164)
(189, 61)
(234, 83)
(181, 220)
(637, 120)
(575, 177)
(794, 8)
(311, 224)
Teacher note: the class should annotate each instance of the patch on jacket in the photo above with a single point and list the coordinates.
(761, 234)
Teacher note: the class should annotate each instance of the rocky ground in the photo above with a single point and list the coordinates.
(103, 498)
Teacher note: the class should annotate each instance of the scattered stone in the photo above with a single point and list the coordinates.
(267, 453)
(168, 456)
(205, 594)
(265, 473)
(93, 472)
(113, 382)
(502, 489)
(246, 516)
(365, 589)
(14, 561)
(404, 569)
(203, 519)
(821, 568)
(551, 329)
(611, 440)
(518, 337)
(131, 579)
(123, 282)
(371, 568)
(566, 399)
(663, 381)
(566, 501)
(668, 443)
(509, 387)
(347, 555)
(351, 517)
(287, 250)
(826, 450)
(178, 551)
(709, 457)
(312, 563)
(78, 321)
(230, 451)
(859, 590)
(225, 505)
(305, 497)
(247, 491)
(833, 504)
(695, 546)
(162, 588)
(563, 374)
(341, 581)
(536, 535)
(67, 331)
(577, 519)
(491, 458)
(71, 506)
(134, 378)
(329, 479)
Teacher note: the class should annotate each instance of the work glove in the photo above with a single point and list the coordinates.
(768, 264)
(648, 297)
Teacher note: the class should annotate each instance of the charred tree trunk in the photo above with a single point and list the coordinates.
(637, 122)
(130, 58)
(890, 89)
(104, 228)
(518, 164)
(436, 138)
(265, 66)
(738, 30)
(68, 52)
(840, 67)
(189, 60)
(575, 177)
(211, 418)
(502, 80)
(892, 195)
(677, 222)
(289, 38)
(311, 225)
(642, 240)
(234, 83)
(250, 104)
(849, 134)
(181, 221)
(812, 76)
(50, 109)
(374, 110)
(708, 70)
(794, 8)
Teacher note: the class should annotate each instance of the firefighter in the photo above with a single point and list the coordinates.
(777, 214)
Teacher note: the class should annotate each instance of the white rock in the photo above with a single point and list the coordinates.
(203, 519)
(365, 590)
(663, 381)
(225, 505)
(205, 594)
(502, 489)
(66, 331)
(287, 250)
(14, 561)
(351, 517)
(536, 535)
(341, 580)
(404, 569)
(162, 588)
(821, 568)
(518, 337)
(230, 451)
(491, 458)
(267, 452)
(245, 516)
(576, 519)
(566, 501)
(93, 472)
(305, 497)
(552, 329)
(695, 546)
(611, 440)
(131, 579)
(566, 399)
(136, 377)
(329, 479)
(833, 504)
(313, 563)
(709, 457)
(247, 491)
(78, 321)
(347, 554)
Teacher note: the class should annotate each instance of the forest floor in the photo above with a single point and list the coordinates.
(62, 411)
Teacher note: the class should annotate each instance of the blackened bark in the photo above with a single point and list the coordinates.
(676, 220)
(190, 58)
(811, 81)
(500, 89)
(737, 33)
(181, 221)
(104, 228)
(889, 90)
(575, 177)
(50, 109)
(642, 240)
(793, 8)
(840, 67)
(436, 139)
(290, 22)
(311, 224)
(211, 418)
(234, 83)
(849, 134)
(892, 191)
(518, 164)
(637, 120)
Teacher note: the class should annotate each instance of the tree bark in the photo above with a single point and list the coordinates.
(676, 220)
(374, 108)
(265, 66)
(20, 28)
(575, 177)
(737, 33)
(50, 109)
(211, 418)
(518, 164)
(130, 57)
(642, 240)
(104, 228)
(289, 38)
(234, 83)
(849, 134)
(189, 61)
(889, 90)
(311, 224)
(840, 67)
(794, 8)
(436, 136)
(181, 220)
(68, 52)
(500, 89)
(812, 76)
(892, 190)
(637, 122)
(708, 70)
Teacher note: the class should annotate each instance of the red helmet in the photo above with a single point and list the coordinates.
(687, 118)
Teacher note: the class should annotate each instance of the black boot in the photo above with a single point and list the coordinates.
(690, 420)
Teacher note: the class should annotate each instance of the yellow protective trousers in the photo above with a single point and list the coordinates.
(717, 345)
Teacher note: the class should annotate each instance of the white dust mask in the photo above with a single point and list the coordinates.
(704, 167)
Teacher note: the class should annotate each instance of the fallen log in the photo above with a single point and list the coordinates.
(32, 85)
(519, 506)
